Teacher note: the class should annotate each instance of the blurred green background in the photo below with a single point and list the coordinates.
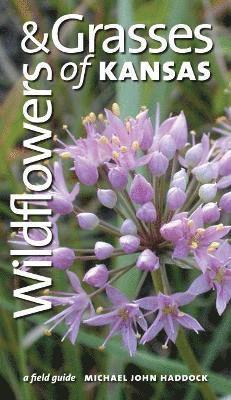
(23, 346)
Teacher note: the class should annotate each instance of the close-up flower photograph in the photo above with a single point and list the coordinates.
(115, 201)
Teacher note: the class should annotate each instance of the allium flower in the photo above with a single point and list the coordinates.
(224, 182)
(76, 304)
(193, 155)
(175, 198)
(176, 128)
(129, 243)
(205, 173)
(147, 212)
(63, 257)
(158, 164)
(141, 191)
(197, 154)
(87, 220)
(217, 276)
(113, 142)
(96, 276)
(225, 164)
(118, 177)
(225, 202)
(190, 235)
(107, 197)
(62, 200)
(211, 213)
(123, 318)
(148, 261)
(207, 192)
(169, 317)
(161, 185)
(103, 250)
(180, 180)
(167, 146)
(128, 227)
(86, 170)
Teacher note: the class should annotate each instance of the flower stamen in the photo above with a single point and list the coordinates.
(213, 246)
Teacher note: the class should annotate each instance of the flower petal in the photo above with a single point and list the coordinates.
(153, 330)
(116, 296)
(170, 327)
(103, 319)
(148, 303)
(129, 338)
(74, 281)
(189, 322)
(200, 285)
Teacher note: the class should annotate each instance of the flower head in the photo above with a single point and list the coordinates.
(161, 184)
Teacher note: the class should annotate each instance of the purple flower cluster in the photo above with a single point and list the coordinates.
(170, 193)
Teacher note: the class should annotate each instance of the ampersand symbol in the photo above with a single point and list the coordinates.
(30, 36)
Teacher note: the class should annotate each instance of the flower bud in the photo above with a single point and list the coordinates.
(180, 179)
(225, 202)
(224, 182)
(103, 250)
(172, 231)
(86, 171)
(118, 178)
(107, 197)
(211, 213)
(148, 261)
(181, 174)
(129, 243)
(193, 155)
(176, 127)
(147, 212)
(206, 172)
(141, 191)
(175, 198)
(179, 130)
(225, 164)
(167, 146)
(147, 135)
(87, 220)
(97, 276)
(63, 257)
(60, 205)
(128, 227)
(207, 192)
(158, 164)
(179, 183)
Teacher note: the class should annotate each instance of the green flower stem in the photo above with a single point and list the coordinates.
(109, 229)
(183, 345)
(164, 279)
(157, 281)
(92, 257)
(190, 360)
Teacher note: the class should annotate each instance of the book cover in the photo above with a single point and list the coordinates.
(115, 166)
